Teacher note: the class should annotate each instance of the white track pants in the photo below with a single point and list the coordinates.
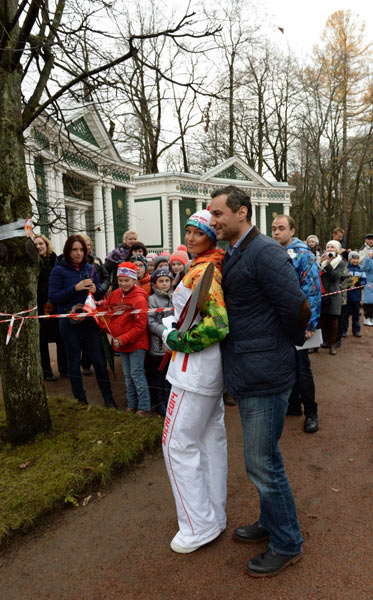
(195, 451)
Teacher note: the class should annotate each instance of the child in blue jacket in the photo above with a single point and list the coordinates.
(354, 296)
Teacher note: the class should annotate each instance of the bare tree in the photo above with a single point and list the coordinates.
(41, 59)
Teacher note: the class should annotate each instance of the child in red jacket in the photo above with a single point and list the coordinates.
(130, 337)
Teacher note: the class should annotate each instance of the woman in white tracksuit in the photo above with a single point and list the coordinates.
(194, 437)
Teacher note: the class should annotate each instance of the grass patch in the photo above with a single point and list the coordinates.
(84, 447)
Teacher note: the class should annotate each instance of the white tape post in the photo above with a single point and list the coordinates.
(20, 228)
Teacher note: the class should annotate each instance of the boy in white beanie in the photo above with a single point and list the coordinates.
(354, 296)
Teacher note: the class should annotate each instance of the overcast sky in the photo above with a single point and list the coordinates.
(304, 22)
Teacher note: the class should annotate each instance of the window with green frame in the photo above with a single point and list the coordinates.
(120, 213)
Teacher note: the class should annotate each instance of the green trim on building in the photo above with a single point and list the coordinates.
(274, 195)
(159, 199)
(121, 176)
(42, 195)
(90, 226)
(82, 162)
(81, 129)
(187, 206)
(188, 188)
(120, 213)
(40, 139)
(233, 172)
(272, 211)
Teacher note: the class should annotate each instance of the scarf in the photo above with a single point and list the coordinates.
(334, 263)
(216, 255)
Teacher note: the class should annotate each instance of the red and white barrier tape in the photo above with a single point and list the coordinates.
(356, 287)
(119, 310)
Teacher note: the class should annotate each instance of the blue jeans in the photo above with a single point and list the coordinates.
(137, 389)
(85, 336)
(263, 420)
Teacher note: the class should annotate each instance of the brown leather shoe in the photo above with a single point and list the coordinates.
(143, 413)
(269, 563)
(228, 400)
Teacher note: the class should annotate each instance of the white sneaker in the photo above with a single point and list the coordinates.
(370, 322)
(186, 550)
(367, 321)
(180, 549)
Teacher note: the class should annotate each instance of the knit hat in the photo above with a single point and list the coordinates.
(141, 258)
(181, 256)
(337, 245)
(182, 247)
(201, 219)
(353, 254)
(127, 269)
(313, 238)
(151, 256)
(164, 253)
(162, 272)
(160, 258)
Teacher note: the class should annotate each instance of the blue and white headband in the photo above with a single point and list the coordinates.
(201, 219)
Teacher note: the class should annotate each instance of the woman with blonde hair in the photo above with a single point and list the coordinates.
(48, 327)
(119, 255)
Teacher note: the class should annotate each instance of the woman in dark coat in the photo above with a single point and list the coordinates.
(104, 279)
(332, 267)
(71, 280)
(48, 327)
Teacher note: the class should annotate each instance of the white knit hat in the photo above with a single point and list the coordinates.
(337, 245)
(314, 238)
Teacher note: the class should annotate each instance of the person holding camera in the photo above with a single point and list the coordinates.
(332, 267)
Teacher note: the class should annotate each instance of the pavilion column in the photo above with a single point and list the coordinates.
(77, 225)
(287, 208)
(131, 209)
(99, 220)
(167, 242)
(55, 212)
(30, 169)
(109, 218)
(175, 221)
(263, 218)
(59, 209)
(253, 216)
(199, 204)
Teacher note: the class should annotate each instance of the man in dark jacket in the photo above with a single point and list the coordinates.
(307, 270)
(268, 313)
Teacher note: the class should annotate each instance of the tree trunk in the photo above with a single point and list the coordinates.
(344, 182)
(231, 107)
(20, 369)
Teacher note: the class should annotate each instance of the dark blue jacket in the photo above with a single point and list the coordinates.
(62, 282)
(268, 314)
(360, 278)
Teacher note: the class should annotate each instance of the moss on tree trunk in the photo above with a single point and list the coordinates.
(24, 394)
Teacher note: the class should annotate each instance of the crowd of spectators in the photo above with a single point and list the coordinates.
(325, 275)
